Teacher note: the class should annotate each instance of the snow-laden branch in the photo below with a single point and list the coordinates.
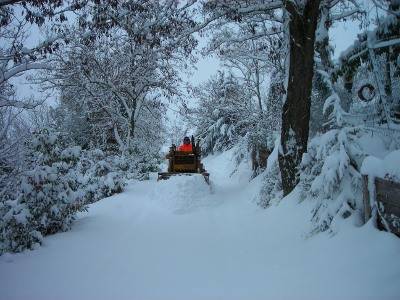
(344, 14)
(4, 102)
(18, 69)
(260, 8)
(229, 40)
(385, 44)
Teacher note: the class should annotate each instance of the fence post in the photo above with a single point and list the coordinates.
(366, 199)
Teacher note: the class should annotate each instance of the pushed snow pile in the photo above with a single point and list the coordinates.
(182, 192)
(388, 167)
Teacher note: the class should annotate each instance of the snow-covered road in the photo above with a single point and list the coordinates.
(176, 239)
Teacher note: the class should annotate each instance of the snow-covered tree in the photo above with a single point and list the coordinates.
(16, 18)
(299, 21)
(122, 62)
(109, 103)
(252, 54)
(224, 114)
(18, 56)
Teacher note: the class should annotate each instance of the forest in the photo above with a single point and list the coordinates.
(112, 92)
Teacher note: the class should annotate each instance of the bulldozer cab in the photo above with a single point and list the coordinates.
(184, 162)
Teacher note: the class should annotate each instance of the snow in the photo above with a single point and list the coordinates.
(72, 152)
(181, 239)
(386, 167)
(373, 144)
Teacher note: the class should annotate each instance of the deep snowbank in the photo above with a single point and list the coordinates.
(176, 239)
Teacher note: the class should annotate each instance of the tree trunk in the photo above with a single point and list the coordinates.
(257, 83)
(388, 77)
(296, 109)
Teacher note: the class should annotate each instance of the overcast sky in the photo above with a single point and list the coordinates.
(342, 36)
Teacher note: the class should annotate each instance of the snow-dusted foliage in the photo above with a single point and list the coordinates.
(249, 43)
(17, 55)
(48, 198)
(100, 175)
(330, 176)
(116, 74)
(28, 182)
(318, 120)
(108, 107)
(262, 137)
(271, 191)
(224, 113)
(123, 71)
(59, 181)
(229, 114)
(260, 140)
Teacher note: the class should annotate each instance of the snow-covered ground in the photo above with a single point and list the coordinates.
(178, 239)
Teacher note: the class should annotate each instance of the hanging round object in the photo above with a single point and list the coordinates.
(366, 92)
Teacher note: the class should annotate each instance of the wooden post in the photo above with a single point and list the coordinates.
(366, 199)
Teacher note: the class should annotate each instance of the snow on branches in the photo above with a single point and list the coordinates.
(224, 113)
(48, 195)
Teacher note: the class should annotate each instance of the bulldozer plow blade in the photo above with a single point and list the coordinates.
(167, 175)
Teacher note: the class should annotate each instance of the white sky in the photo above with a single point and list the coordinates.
(342, 35)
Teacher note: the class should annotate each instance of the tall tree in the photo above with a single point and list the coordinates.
(303, 20)
(17, 57)
(122, 59)
(298, 19)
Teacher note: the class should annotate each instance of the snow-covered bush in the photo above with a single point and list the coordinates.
(49, 195)
(60, 181)
(271, 191)
(17, 228)
(101, 175)
(227, 115)
(330, 176)
(330, 170)
(143, 158)
(260, 142)
(104, 174)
